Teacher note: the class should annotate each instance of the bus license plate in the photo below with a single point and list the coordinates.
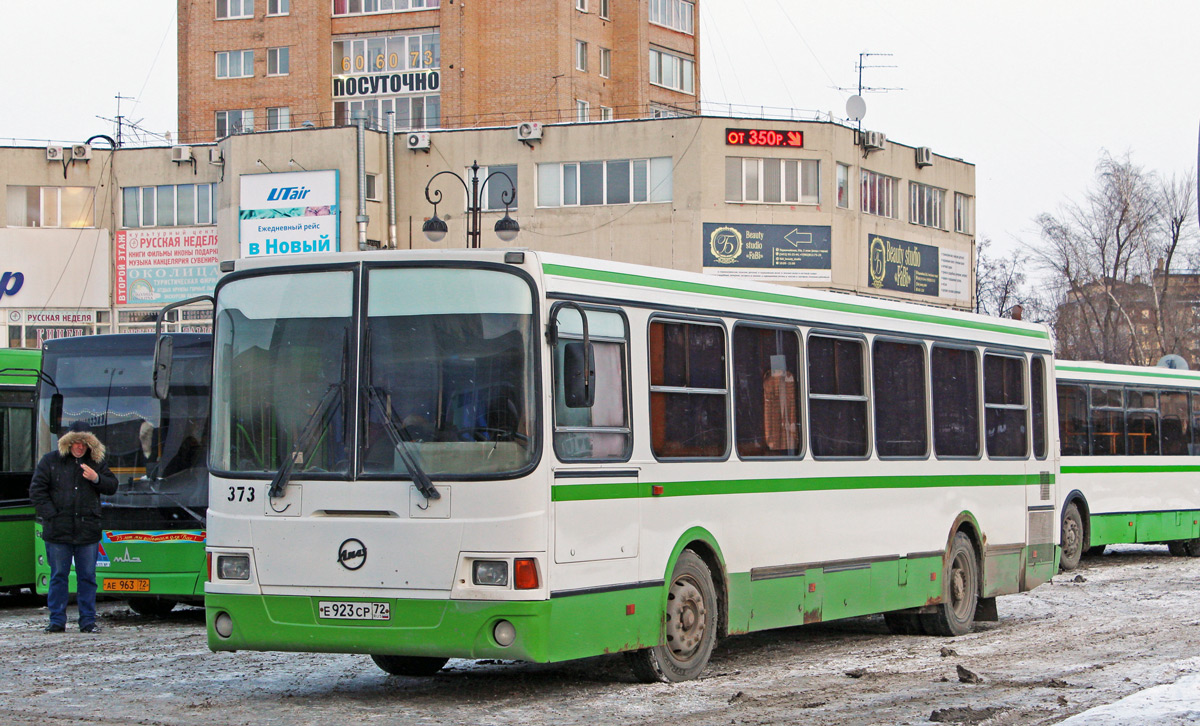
(354, 610)
(137, 584)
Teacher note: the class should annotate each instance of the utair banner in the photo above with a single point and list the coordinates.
(288, 213)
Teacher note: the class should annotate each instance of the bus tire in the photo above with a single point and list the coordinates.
(151, 607)
(1185, 548)
(1072, 540)
(689, 626)
(902, 623)
(409, 665)
(960, 591)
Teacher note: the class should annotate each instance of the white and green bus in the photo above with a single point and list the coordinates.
(508, 454)
(1129, 439)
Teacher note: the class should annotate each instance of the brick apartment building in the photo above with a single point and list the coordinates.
(255, 65)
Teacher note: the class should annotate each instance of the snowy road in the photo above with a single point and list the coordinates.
(1132, 623)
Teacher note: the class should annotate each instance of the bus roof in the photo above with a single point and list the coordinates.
(1097, 372)
(25, 359)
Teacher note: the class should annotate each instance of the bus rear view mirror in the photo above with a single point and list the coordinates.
(164, 349)
(579, 375)
(56, 407)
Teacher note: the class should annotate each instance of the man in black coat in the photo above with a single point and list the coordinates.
(65, 490)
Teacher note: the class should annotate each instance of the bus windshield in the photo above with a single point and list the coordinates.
(447, 358)
(155, 448)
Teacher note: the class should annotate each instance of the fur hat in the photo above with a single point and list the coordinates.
(79, 432)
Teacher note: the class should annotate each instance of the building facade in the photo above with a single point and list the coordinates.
(98, 244)
(253, 65)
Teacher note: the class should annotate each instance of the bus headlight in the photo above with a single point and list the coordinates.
(233, 567)
(490, 572)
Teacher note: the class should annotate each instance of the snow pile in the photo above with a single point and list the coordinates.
(1166, 705)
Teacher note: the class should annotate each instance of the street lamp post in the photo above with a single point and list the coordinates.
(506, 227)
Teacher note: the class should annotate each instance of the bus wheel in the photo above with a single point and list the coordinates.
(1072, 538)
(151, 607)
(960, 592)
(900, 623)
(409, 665)
(1185, 548)
(1094, 551)
(690, 626)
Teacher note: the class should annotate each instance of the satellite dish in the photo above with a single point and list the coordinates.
(1173, 361)
(856, 108)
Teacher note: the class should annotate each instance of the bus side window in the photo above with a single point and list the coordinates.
(955, 376)
(837, 397)
(1141, 422)
(1037, 398)
(766, 384)
(688, 392)
(1072, 420)
(600, 432)
(1005, 413)
(1108, 422)
(1173, 406)
(901, 413)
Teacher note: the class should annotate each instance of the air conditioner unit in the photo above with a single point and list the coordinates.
(181, 153)
(214, 155)
(873, 139)
(529, 131)
(55, 153)
(82, 152)
(416, 141)
(924, 156)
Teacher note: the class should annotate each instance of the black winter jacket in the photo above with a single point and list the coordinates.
(67, 504)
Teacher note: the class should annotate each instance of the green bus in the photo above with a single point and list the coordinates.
(152, 550)
(18, 385)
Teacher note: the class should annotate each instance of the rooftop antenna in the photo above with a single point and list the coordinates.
(121, 119)
(856, 107)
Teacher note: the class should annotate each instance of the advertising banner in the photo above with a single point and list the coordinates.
(896, 264)
(288, 213)
(768, 251)
(42, 268)
(165, 265)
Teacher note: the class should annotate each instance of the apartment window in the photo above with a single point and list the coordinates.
(962, 213)
(606, 113)
(277, 61)
(230, 9)
(234, 122)
(925, 204)
(279, 118)
(616, 181)
(277, 7)
(843, 186)
(672, 71)
(362, 7)
(688, 394)
(411, 112)
(955, 376)
(878, 194)
(410, 52)
(772, 181)
(500, 188)
(235, 64)
(168, 205)
(1006, 417)
(604, 9)
(605, 62)
(582, 111)
(901, 417)
(581, 56)
(766, 384)
(673, 14)
(581, 5)
(372, 190)
(71, 207)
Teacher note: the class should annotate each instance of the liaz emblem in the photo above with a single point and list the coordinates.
(352, 554)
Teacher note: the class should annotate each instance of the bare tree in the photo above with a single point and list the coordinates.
(999, 281)
(1112, 254)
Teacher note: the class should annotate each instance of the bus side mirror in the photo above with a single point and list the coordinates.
(56, 406)
(164, 349)
(579, 375)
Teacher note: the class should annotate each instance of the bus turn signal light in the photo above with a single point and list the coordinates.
(525, 575)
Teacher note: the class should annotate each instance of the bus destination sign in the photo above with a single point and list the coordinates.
(764, 137)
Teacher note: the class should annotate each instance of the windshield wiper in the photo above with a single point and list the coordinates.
(305, 440)
(403, 442)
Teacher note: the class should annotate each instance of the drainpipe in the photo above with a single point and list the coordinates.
(391, 179)
(360, 120)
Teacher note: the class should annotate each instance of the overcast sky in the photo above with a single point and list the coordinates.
(1029, 91)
